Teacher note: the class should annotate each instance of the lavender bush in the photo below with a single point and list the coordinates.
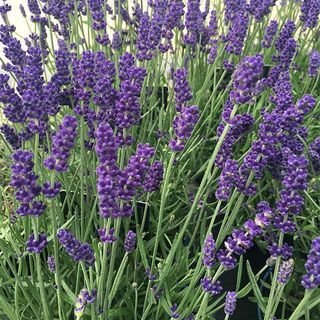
(147, 149)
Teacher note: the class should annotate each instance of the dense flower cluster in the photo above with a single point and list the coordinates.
(310, 12)
(230, 304)
(285, 271)
(208, 252)
(314, 63)
(24, 180)
(212, 287)
(269, 34)
(130, 241)
(84, 297)
(51, 264)
(62, 143)
(312, 279)
(76, 250)
(245, 79)
(36, 244)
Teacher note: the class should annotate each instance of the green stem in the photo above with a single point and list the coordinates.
(296, 314)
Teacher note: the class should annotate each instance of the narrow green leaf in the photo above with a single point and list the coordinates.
(255, 288)
(7, 308)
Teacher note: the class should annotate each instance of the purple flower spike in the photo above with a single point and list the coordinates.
(62, 143)
(76, 250)
(51, 191)
(107, 238)
(208, 252)
(269, 34)
(245, 79)
(36, 246)
(182, 91)
(174, 313)
(130, 241)
(285, 271)
(214, 288)
(52, 264)
(230, 304)
(154, 177)
(311, 280)
(183, 125)
(227, 180)
(314, 63)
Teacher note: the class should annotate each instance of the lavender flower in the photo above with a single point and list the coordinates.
(116, 41)
(76, 250)
(11, 136)
(154, 177)
(62, 142)
(183, 125)
(174, 313)
(245, 79)
(285, 34)
(310, 11)
(130, 241)
(36, 245)
(285, 271)
(52, 264)
(227, 180)
(208, 252)
(182, 91)
(50, 191)
(214, 288)
(312, 278)
(314, 63)
(107, 237)
(24, 180)
(237, 32)
(230, 304)
(84, 298)
(269, 34)
(259, 9)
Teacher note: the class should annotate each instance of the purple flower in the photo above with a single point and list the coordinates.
(193, 23)
(269, 34)
(213, 51)
(312, 278)
(264, 215)
(314, 63)
(62, 143)
(11, 136)
(76, 250)
(285, 251)
(310, 11)
(259, 9)
(237, 32)
(285, 34)
(127, 107)
(208, 252)
(183, 125)
(130, 241)
(36, 245)
(174, 313)
(50, 191)
(107, 237)
(227, 180)
(214, 288)
(314, 151)
(230, 304)
(24, 181)
(245, 79)
(154, 177)
(182, 91)
(116, 41)
(226, 259)
(83, 298)
(285, 271)
(52, 264)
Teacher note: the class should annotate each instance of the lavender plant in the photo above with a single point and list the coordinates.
(152, 152)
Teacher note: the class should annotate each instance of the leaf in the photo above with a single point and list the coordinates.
(255, 288)
(7, 308)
